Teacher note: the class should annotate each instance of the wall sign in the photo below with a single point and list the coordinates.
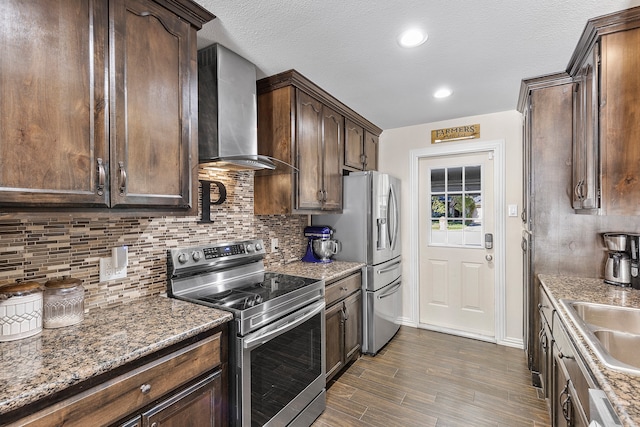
(206, 198)
(455, 134)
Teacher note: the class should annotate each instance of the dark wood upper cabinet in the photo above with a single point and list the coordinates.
(97, 103)
(360, 148)
(318, 143)
(586, 171)
(371, 142)
(606, 112)
(300, 124)
(353, 145)
(53, 110)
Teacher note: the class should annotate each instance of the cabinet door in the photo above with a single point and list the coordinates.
(566, 409)
(198, 405)
(309, 117)
(586, 173)
(353, 145)
(370, 151)
(53, 112)
(334, 340)
(353, 325)
(620, 115)
(546, 359)
(561, 406)
(150, 112)
(333, 140)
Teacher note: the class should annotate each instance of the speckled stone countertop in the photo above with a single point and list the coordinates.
(325, 271)
(622, 389)
(42, 365)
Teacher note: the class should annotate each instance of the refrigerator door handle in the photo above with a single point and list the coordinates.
(392, 289)
(392, 214)
(382, 233)
(390, 268)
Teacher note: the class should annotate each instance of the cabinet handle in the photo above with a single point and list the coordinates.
(345, 315)
(101, 177)
(123, 178)
(363, 159)
(145, 388)
(324, 195)
(543, 339)
(523, 215)
(561, 355)
(343, 289)
(154, 424)
(320, 195)
(566, 404)
(578, 191)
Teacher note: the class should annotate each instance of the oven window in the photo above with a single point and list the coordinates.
(283, 367)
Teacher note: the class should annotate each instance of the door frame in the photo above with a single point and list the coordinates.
(450, 149)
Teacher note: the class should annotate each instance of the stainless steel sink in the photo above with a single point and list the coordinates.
(612, 332)
(605, 316)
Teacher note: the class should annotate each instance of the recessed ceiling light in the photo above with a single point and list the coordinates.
(442, 93)
(412, 38)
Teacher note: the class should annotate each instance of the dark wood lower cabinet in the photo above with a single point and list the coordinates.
(570, 402)
(335, 343)
(186, 387)
(197, 405)
(343, 320)
(353, 325)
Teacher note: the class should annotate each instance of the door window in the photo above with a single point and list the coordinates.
(456, 206)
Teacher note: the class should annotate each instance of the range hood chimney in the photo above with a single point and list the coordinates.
(227, 111)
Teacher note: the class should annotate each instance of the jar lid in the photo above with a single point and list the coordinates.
(19, 288)
(64, 282)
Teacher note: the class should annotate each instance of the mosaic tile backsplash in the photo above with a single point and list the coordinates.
(43, 247)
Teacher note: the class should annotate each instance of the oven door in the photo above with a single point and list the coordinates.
(281, 371)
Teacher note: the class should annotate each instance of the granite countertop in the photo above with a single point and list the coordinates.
(42, 365)
(322, 271)
(622, 389)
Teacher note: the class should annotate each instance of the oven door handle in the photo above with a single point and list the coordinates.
(296, 319)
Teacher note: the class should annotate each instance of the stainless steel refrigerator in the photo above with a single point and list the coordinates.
(369, 232)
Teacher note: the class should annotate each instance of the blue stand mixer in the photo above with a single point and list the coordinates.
(320, 247)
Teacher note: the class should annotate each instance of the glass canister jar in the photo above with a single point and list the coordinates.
(63, 302)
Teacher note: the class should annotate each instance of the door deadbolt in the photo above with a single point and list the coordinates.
(488, 241)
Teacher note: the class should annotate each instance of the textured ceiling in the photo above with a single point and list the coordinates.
(481, 49)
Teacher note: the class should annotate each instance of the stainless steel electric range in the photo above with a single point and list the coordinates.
(277, 336)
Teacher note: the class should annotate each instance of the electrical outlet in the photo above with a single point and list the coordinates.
(274, 244)
(108, 272)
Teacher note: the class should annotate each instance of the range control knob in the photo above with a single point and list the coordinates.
(182, 258)
(258, 247)
(196, 256)
(249, 248)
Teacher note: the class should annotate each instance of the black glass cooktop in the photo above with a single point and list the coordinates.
(273, 286)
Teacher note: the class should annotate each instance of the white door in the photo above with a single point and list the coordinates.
(456, 221)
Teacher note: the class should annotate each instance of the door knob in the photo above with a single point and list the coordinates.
(488, 257)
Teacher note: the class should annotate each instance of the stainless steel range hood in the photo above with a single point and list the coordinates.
(227, 111)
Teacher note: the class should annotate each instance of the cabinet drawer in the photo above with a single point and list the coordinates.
(122, 395)
(342, 288)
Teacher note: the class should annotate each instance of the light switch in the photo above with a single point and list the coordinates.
(513, 210)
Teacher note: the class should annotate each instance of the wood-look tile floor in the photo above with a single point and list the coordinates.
(424, 378)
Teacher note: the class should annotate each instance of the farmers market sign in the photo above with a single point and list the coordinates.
(455, 133)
